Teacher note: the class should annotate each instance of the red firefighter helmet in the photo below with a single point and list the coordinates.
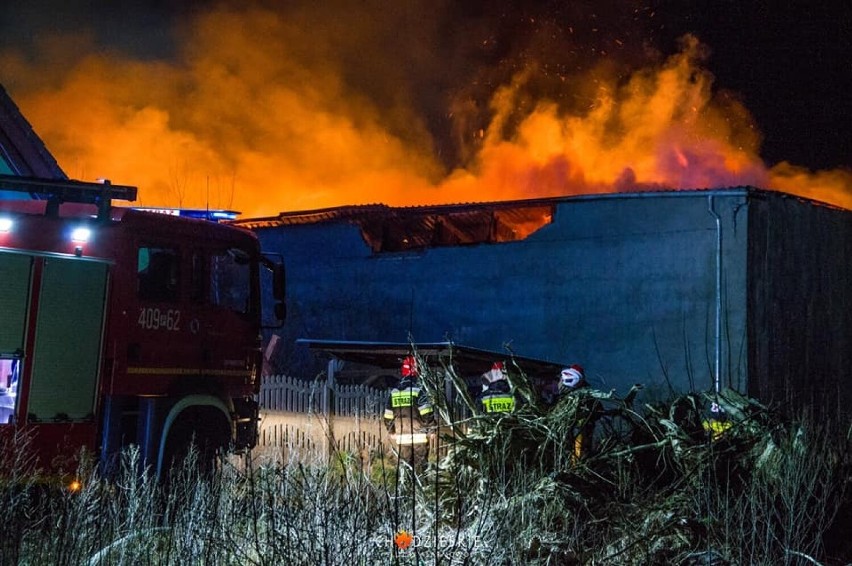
(495, 374)
(409, 367)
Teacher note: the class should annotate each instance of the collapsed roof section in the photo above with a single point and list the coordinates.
(394, 229)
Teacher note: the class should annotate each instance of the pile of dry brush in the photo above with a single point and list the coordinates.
(657, 486)
(665, 483)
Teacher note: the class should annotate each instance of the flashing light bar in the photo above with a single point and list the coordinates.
(202, 214)
(6, 225)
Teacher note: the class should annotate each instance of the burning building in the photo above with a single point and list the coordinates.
(678, 290)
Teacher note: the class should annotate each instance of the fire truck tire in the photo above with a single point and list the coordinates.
(203, 429)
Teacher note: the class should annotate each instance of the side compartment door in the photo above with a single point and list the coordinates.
(15, 275)
(68, 339)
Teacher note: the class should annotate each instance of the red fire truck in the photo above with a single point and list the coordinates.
(121, 326)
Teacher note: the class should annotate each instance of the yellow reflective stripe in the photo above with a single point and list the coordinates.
(402, 398)
(716, 428)
(411, 438)
(388, 414)
(187, 371)
(502, 404)
(425, 410)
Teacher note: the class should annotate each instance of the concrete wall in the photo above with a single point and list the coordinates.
(623, 284)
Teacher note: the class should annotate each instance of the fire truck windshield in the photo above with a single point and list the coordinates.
(230, 278)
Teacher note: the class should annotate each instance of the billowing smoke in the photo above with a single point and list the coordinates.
(262, 108)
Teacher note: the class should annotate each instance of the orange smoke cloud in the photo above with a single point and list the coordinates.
(832, 186)
(256, 116)
(662, 128)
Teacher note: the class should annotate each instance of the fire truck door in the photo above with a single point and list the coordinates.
(14, 290)
(15, 272)
(69, 331)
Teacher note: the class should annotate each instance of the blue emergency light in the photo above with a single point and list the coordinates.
(200, 213)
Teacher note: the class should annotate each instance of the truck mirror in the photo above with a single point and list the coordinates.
(274, 284)
(279, 283)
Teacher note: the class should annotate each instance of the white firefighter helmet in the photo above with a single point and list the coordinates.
(572, 376)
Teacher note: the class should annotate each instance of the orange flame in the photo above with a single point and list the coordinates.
(248, 119)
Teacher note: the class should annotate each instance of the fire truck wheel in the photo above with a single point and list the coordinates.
(197, 440)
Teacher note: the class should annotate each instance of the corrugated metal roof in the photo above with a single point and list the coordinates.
(389, 229)
(393, 229)
(357, 212)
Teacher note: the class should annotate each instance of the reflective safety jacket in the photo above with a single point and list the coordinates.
(716, 422)
(498, 398)
(588, 411)
(408, 413)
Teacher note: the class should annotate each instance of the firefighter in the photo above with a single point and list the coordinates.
(716, 422)
(496, 395)
(572, 381)
(409, 416)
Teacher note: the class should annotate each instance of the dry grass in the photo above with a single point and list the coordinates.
(656, 490)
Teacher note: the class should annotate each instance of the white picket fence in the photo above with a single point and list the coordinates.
(312, 420)
(316, 421)
(282, 393)
(358, 400)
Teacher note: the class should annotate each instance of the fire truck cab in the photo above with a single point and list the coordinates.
(121, 326)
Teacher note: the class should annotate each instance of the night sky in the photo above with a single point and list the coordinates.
(792, 64)
(789, 64)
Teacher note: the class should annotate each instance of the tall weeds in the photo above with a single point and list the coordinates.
(656, 490)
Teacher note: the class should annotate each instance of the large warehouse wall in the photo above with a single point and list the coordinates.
(800, 304)
(622, 284)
